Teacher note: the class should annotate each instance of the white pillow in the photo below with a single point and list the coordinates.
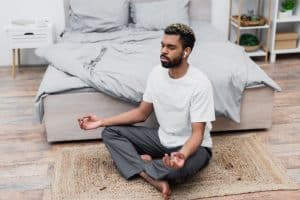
(157, 15)
(98, 15)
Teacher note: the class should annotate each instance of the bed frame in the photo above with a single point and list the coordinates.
(62, 110)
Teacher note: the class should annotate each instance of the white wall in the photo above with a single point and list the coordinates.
(30, 9)
(220, 15)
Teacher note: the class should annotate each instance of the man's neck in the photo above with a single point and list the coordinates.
(179, 71)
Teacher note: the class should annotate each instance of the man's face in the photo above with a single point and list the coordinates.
(171, 52)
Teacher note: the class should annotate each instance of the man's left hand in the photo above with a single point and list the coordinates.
(175, 161)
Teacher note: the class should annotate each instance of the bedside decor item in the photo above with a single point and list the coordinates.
(250, 20)
(27, 34)
(286, 40)
(252, 16)
(287, 8)
(250, 42)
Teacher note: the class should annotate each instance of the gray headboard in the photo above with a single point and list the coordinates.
(199, 9)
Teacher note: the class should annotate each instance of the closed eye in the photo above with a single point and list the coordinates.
(169, 46)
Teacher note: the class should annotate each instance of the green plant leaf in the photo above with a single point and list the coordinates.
(288, 4)
(247, 39)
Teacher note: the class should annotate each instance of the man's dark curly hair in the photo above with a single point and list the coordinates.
(186, 34)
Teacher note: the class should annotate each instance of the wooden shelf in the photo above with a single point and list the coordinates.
(259, 52)
(235, 23)
(263, 9)
(289, 19)
(283, 51)
(266, 26)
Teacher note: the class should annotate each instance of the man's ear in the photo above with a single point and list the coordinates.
(187, 52)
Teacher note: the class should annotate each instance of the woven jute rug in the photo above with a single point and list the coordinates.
(239, 165)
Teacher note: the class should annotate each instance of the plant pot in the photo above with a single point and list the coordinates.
(285, 14)
(251, 48)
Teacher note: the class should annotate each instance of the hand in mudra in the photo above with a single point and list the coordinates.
(175, 161)
(89, 122)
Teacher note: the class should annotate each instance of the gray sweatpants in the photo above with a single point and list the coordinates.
(127, 143)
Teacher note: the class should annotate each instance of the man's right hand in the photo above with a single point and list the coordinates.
(89, 122)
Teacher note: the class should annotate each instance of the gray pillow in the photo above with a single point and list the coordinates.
(156, 15)
(98, 15)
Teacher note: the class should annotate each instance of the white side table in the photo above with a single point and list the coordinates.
(27, 36)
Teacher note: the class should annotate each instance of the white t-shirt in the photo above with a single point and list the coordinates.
(179, 102)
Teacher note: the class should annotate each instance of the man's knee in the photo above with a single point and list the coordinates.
(108, 132)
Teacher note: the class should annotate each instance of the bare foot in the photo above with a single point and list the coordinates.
(162, 186)
(146, 158)
(165, 189)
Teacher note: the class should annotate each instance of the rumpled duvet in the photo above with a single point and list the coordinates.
(118, 63)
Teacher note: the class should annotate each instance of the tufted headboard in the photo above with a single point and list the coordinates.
(216, 11)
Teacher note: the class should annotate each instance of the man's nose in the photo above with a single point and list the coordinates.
(164, 50)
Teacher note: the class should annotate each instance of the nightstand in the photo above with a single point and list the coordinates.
(27, 34)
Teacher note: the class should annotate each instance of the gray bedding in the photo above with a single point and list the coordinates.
(118, 63)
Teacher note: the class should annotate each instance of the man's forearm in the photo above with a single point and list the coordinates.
(191, 145)
(130, 117)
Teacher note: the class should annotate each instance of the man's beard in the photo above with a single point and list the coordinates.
(171, 64)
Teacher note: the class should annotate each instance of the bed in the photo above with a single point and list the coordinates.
(91, 71)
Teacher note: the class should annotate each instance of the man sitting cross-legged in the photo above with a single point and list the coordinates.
(182, 98)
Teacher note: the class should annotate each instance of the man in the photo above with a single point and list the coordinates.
(182, 99)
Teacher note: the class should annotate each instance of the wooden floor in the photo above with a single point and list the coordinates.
(25, 155)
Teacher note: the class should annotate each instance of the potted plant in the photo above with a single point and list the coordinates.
(287, 8)
(252, 16)
(250, 42)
